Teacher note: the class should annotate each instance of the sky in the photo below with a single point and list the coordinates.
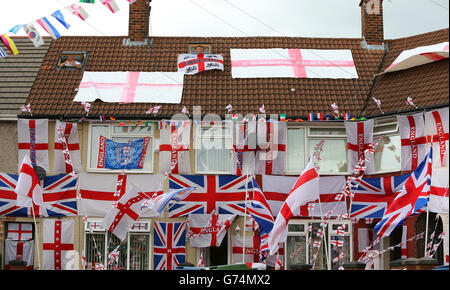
(234, 18)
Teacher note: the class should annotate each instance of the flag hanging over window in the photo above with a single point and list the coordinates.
(115, 155)
(174, 147)
(57, 244)
(208, 230)
(169, 245)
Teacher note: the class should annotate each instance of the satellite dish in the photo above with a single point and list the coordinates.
(40, 172)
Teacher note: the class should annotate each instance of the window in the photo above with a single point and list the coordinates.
(213, 154)
(134, 252)
(119, 134)
(387, 155)
(302, 244)
(192, 47)
(71, 60)
(301, 142)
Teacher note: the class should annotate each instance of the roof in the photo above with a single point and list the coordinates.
(427, 85)
(17, 74)
(54, 90)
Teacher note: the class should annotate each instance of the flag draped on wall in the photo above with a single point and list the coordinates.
(412, 198)
(174, 156)
(115, 155)
(271, 151)
(194, 63)
(244, 146)
(32, 140)
(245, 251)
(277, 188)
(439, 195)
(359, 138)
(169, 245)
(100, 191)
(413, 140)
(373, 195)
(57, 244)
(19, 250)
(66, 162)
(223, 193)
(59, 195)
(208, 230)
(437, 131)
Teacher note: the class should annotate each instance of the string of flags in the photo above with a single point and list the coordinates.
(49, 28)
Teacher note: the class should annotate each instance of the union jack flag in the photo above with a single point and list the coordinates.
(223, 193)
(373, 195)
(169, 247)
(59, 195)
(412, 198)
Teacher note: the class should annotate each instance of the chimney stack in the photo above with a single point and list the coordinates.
(372, 23)
(138, 23)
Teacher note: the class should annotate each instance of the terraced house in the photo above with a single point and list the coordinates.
(288, 92)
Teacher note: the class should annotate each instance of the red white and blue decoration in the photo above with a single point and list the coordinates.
(169, 246)
(116, 155)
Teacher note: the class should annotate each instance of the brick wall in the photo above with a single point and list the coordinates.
(372, 21)
(139, 19)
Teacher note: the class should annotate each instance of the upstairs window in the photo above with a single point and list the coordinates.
(388, 153)
(71, 60)
(194, 48)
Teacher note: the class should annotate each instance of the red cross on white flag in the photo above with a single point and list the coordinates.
(57, 244)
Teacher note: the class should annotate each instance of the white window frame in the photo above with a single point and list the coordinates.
(309, 136)
(329, 233)
(388, 133)
(131, 232)
(111, 126)
(197, 144)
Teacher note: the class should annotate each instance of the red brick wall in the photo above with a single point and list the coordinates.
(139, 20)
(372, 21)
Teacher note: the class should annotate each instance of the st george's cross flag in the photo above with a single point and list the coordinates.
(292, 63)
(372, 195)
(412, 198)
(245, 251)
(439, 195)
(32, 138)
(111, 5)
(244, 146)
(67, 156)
(59, 194)
(413, 140)
(191, 64)
(124, 214)
(58, 244)
(19, 231)
(437, 131)
(169, 245)
(359, 139)
(77, 10)
(208, 230)
(130, 87)
(28, 188)
(174, 155)
(99, 192)
(19, 250)
(117, 155)
(305, 189)
(34, 35)
(225, 194)
(277, 188)
(271, 151)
